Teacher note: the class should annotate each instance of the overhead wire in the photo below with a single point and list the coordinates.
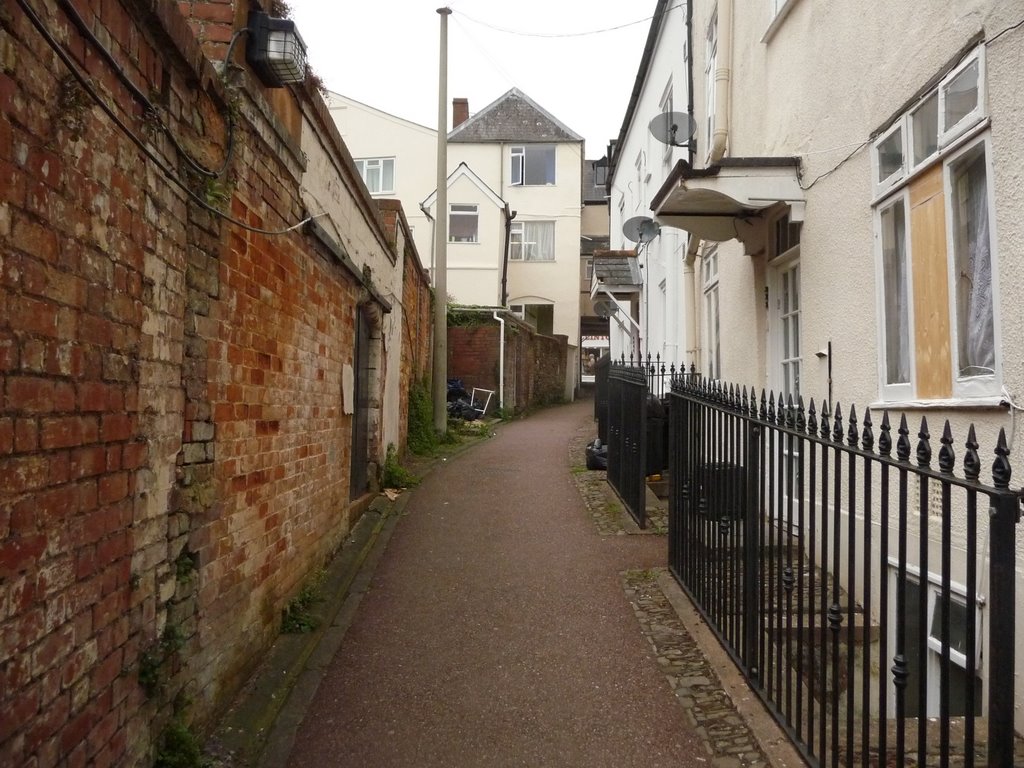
(588, 33)
(87, 85)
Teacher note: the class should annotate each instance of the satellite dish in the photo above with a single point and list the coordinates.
(641, 229)
(605, 308)
(673, 128)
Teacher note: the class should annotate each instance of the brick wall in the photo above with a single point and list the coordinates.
(174, 454)
(417, 311)
(534, 364)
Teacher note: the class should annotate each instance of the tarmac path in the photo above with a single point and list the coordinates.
(496, 631)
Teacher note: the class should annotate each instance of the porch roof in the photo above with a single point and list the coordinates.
(618, 272)
(714, 203)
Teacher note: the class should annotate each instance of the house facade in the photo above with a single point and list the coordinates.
(642, 160)
(852, 206)
(515, 177)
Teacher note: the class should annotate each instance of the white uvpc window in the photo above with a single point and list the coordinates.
(532, 165)
(532, 241)
(463, 223)
(945, 175)
(895, 299)
(378, 174)
(970, 242)
(711, 313)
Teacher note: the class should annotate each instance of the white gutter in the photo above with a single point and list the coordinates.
(723, 76)
(501, 361)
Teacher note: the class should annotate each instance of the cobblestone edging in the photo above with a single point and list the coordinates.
(603, 505)
(728, 740)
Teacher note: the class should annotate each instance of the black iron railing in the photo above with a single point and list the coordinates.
(627, 443)
(867, 593)
(637, 426)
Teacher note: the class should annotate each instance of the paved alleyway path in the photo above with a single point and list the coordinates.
(496, 631)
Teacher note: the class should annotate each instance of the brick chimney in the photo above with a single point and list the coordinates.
(460, 112)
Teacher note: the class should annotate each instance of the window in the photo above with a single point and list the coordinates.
(935, 246)
(638, 193)
(971, 248)
(930, 666)
(533, 165)
(588, 270)
(666, 111)
(532, 241)
(710, 65)
(463, 223)
(942, 115)
(709, 271)
(378, 174)
(600, 173)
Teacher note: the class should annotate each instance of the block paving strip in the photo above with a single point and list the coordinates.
(728, 740)
(607, 512)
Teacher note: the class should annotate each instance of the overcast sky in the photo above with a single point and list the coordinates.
(385, 53)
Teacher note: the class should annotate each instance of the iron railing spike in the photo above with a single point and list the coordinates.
(947, 457)
(1001, 470)
(852, 436)
(903, 441)
(885, 439)
(812, 419)
(837, 424)
(924, 445)
(972, 461)
(867, 436)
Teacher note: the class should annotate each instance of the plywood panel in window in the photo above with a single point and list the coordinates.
(934, 366)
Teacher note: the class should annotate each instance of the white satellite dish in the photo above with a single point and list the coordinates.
(641, 229)
(673, 128)
(605, 308)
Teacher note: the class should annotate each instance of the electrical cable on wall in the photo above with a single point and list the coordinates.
(87, 85)
(147, 105)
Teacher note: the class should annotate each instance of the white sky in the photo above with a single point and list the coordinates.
(384, 53)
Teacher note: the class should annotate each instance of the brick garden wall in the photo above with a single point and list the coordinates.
(174, 451)
(534, 364)
(417, 311)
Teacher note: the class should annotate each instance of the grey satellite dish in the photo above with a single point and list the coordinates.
(605, 308)
(641, 229)
(673, 128)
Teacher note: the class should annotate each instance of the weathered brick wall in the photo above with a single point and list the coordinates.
(473, 354)
(417, 312)
(174, 454)
(534, 364)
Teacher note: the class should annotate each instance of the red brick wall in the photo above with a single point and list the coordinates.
(534, 364)
(174, 458)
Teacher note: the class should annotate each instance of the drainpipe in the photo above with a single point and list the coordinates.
(723, 76)
(689, 291)
(509, 215)
(501, 360)
(692, 143)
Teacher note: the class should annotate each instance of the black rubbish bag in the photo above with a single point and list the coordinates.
(597, 455)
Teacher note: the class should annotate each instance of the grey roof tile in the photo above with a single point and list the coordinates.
(513, 117)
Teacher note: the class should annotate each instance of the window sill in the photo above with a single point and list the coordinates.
(994, 402)
(780, 17)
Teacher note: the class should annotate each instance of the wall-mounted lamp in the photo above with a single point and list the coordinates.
(275, 50)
